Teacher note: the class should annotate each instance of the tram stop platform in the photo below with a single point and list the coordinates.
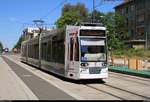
(126, 70)
(11, 86)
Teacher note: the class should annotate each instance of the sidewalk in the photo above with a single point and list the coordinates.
(11, 86)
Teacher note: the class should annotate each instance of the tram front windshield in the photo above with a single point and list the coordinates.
(93, 53)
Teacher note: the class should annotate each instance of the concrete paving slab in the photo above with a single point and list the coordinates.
(42, 89)
(11, 86)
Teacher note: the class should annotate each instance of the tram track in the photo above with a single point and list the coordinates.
(129, 80)
(106, 92)
(128, 91)
(140, 81)
(119, 90)
(129, 76)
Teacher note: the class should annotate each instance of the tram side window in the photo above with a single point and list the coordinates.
(49, 55)
(76, 50)
(44, 51)
(60, 52)
(54, 51)
(71, 49)
(24, 50)
(35, 51)
(29, 50)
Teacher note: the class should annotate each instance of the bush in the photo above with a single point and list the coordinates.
(136, 53)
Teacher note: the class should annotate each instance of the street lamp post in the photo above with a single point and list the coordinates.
(39, 24)
(93, 11)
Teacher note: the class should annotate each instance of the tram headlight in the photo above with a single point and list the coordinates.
(104, 64)
(84, 64)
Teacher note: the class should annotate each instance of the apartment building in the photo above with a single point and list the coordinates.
(30, 32)
(137, 13)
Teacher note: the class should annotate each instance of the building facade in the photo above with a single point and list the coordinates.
(137, 13)
(30, 33)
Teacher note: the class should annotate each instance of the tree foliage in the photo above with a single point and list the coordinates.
(96, 15)
(18, 45)
(68, 18)
(116, 30)
(114, 22)
(1, 47)
(72, 14)
(79, 8)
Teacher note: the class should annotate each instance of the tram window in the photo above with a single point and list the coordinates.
(36, 51)
(37, 56)
(76, 50)
(44, 52)
(93, 53)
(54, 51)
(33, 51)
(49, 55)
(25, 50)
(60, 51)
(71, 49)
(29, 50)
(92, 33)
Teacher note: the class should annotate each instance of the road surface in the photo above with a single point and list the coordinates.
(23, 82)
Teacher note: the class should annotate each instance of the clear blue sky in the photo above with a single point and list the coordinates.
(14, 13)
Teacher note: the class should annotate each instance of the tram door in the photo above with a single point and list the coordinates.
(73, 57)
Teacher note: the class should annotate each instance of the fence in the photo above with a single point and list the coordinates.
(131, 63)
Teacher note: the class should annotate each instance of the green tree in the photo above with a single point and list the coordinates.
(116, 30)
(68, 18)
(18, 45)
(1, 47)
(97, 16)
(72, 14)
(79, 8)
(114, 22)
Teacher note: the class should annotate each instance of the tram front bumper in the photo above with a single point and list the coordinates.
(94, 76)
